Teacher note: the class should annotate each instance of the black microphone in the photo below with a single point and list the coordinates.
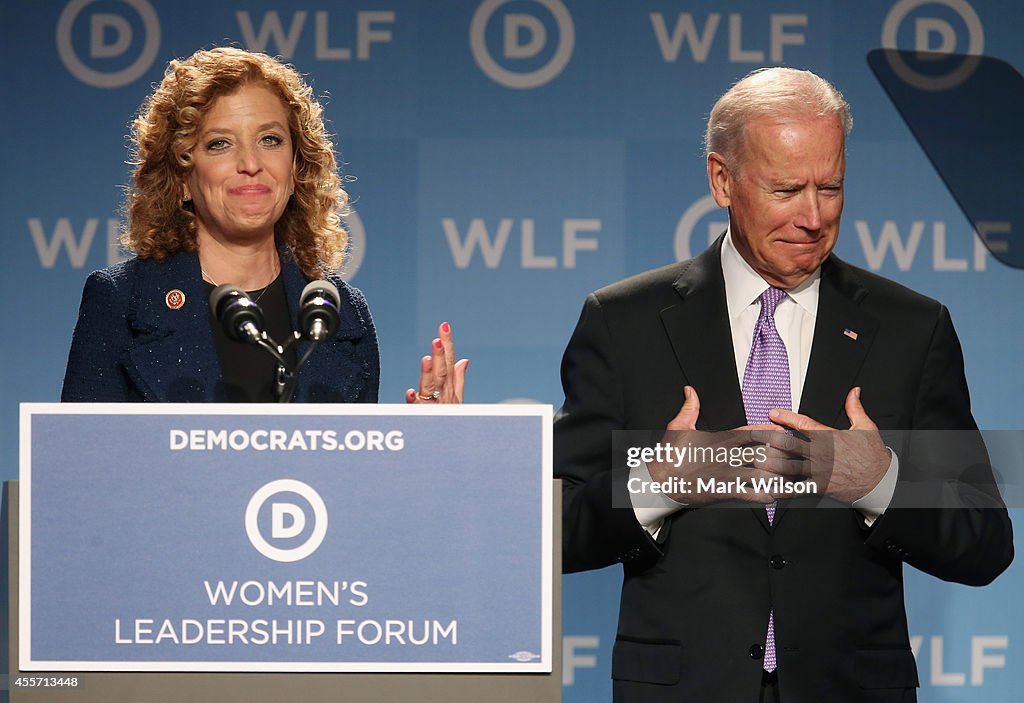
(241, 318)
(319, 316)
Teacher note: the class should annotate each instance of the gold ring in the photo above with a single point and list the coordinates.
(433, 396)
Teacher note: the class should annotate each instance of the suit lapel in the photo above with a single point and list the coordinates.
(698, 328)
(329, 374)
(843, 334)
(173, 358)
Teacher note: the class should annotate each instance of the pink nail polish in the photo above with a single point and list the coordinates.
(437, 344)
(446, 328)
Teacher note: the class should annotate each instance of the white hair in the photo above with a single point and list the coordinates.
(770, 92)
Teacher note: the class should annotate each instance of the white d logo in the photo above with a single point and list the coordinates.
(287, 520)
(356, 246)
(925, 31)
(518, 26)
(102, 26)
(688, 223)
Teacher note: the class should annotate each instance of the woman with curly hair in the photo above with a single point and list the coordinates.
(235, 182)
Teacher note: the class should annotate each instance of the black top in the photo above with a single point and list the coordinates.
(248, 372)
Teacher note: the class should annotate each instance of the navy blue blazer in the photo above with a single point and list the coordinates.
(129, 345)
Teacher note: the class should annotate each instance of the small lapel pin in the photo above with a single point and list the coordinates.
(175, 299)
(850, 333)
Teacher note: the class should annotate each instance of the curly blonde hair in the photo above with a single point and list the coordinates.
(160, 223)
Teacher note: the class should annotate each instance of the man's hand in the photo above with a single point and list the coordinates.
(681, 434)
(846, 464)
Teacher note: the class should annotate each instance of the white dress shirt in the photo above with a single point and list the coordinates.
(795, 316)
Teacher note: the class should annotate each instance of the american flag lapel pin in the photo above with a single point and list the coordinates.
(850, 333)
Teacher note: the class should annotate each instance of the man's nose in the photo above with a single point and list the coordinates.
(809, 216)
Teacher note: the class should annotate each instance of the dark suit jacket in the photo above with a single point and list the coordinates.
(695, 602)
(130, 346)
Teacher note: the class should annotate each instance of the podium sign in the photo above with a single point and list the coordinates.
(298, 538)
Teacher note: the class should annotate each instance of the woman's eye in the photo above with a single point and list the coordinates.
(272, 140)
(217, 144)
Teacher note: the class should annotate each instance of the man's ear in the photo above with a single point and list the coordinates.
(719, 179)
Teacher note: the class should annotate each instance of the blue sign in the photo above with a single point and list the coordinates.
(304, 538)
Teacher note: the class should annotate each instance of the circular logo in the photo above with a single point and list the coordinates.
(516, 27)
(175, 299)
(288, 520)
(688, 223)
(102, 26)
(952, 78)
(356, 246)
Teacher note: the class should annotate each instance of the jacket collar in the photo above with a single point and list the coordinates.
(708, 365)
(843, 334)
(174, 359)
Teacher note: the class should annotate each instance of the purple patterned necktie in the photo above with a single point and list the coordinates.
(766, 386)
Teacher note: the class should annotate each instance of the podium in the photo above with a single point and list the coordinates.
(278, 682)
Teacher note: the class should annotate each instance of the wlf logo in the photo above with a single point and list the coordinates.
(934, 38)
(524, 43)
(111, 38)
(287, 521)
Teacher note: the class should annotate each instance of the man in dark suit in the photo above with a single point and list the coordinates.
(733, 596)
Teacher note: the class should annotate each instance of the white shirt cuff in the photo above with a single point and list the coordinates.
(650, 508)
(877, 501)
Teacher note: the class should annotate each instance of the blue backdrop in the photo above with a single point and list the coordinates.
(509, 156)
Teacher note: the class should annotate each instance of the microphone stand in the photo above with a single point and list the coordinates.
(243, 321)
(287, 377)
